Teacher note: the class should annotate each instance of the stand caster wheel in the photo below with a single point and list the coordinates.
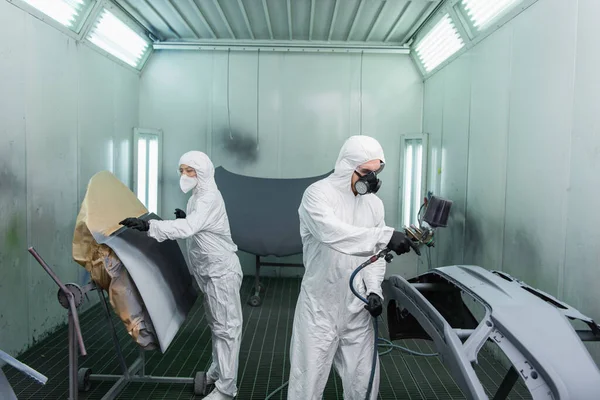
(84, 384)
(254, 301)
(200, 384)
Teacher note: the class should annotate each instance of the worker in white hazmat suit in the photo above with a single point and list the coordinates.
(341, 224)
(214, 264)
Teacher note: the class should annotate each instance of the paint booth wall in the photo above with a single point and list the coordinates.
(515, 142)
(66, 112)
(290, 112)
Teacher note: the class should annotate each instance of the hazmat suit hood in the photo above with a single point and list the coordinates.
(356, 150)
(205, 170)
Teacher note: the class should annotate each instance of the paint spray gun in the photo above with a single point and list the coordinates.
(433, 214)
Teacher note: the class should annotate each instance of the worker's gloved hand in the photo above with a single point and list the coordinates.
(136, 223)
(374, 305)
(399, 243)
(179, 213)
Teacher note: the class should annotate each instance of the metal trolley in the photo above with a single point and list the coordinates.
(71, 296)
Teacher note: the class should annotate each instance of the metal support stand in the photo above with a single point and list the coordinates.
(73, 359)
(507, 384)
(255, 299)
(71, 296)
(113, 333)
(137, 371)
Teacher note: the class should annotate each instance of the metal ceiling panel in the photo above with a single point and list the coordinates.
(366, 14)
(322, 14)
(157, 20)
(277, 11)
(214, 15)
(301, 12)
(412, 17)
(345, 17)
(257, 17)
(357, 21)
(194, 17)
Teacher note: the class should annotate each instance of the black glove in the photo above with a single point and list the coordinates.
(179, 213)
(136, 223)
(400, 244)
(374, 307)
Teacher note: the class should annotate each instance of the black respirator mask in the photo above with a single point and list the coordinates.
(368, 183)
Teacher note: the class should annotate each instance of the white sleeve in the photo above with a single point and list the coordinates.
(183, 228)
(374, 274)
(319, 218)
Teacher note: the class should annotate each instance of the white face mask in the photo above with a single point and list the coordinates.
(187, 183)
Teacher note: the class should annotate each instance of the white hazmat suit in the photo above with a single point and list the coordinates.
(339, 231)
(214, 264)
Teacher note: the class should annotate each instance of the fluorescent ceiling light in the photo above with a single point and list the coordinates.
(440, 43)
(114, 36)
(68, 12)
(483, 12)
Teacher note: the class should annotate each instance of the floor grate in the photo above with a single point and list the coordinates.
(264, 360)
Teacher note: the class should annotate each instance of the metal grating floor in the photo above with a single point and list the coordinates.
(264, 361)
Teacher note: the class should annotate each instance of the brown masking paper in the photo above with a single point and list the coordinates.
(107, 202)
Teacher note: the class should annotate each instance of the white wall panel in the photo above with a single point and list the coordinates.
(582, 274)
(290, 113)
(96, 115)
(271, 120)
(239, 142)
(126, 117)
(51, 123)
(177, 102)
(454, 156)
(320, 110)
(541, 95)
(433, 109)
(518, 145)
(484, 234)
(62, 105)
(14, 258)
